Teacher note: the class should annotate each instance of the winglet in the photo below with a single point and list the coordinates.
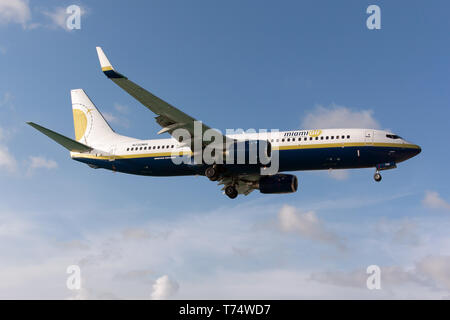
(104, 62)
(106, 66)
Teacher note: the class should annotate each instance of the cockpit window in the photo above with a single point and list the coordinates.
(393, 136)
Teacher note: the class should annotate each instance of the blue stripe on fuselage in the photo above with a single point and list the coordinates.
(289, 160)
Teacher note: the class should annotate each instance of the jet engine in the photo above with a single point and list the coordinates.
(278, 183)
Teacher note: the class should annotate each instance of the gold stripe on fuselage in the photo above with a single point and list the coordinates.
(293, 147)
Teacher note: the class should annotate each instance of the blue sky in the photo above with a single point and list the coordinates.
(233, 64)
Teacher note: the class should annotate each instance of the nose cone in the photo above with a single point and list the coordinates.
(418, 150)
(415, 150)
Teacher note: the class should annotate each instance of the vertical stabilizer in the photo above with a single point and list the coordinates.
(90, 126)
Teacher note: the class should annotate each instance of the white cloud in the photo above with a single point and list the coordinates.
(437, 269)
(58, 16)
(339, 174)
(403, 232)
(339, 117)
(136, 234)
(164, 288)
(431, 271)
(19, 11)
(11, 226)
(14, 11)
(7, 100)
(120, 108)
(306, 224)
(391, 276)
(199, 251)
(140, 276)
(111, 118)
(41, 162)
(7, 160)
(433, 200)
(81, 294)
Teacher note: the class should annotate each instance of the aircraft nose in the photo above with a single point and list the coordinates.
(417, 149)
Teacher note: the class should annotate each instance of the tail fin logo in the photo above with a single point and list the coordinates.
(80, 123)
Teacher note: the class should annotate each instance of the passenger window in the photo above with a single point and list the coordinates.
(305, 139)
(128, 149)
(154, 147)
(159, 147)
(282, 140)
(343, 137)
(332, 137)
(288, 139)
(337, 137)
(348, 137)
(317, 138)
(310, 138)
(326, 137)
(172, 146)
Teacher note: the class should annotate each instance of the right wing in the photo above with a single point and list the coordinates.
(169, 117)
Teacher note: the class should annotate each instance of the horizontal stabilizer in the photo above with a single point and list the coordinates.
(66, 142)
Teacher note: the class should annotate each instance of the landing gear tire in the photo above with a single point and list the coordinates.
(212, 173)
(231, 192)
(377, 177)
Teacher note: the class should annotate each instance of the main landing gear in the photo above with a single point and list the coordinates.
(213, 172)
(377, 176)
(231, 191)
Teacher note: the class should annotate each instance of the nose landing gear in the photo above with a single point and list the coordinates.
(383, 166)
(377, 176)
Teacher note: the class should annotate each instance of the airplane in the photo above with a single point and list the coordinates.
(99, 146)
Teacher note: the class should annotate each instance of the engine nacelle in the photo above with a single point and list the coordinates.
(278, 183)
(249, 152)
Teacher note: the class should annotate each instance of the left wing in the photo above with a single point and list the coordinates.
(169, 117)
(66, 142)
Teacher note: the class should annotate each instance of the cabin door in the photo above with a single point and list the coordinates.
(368, 136)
